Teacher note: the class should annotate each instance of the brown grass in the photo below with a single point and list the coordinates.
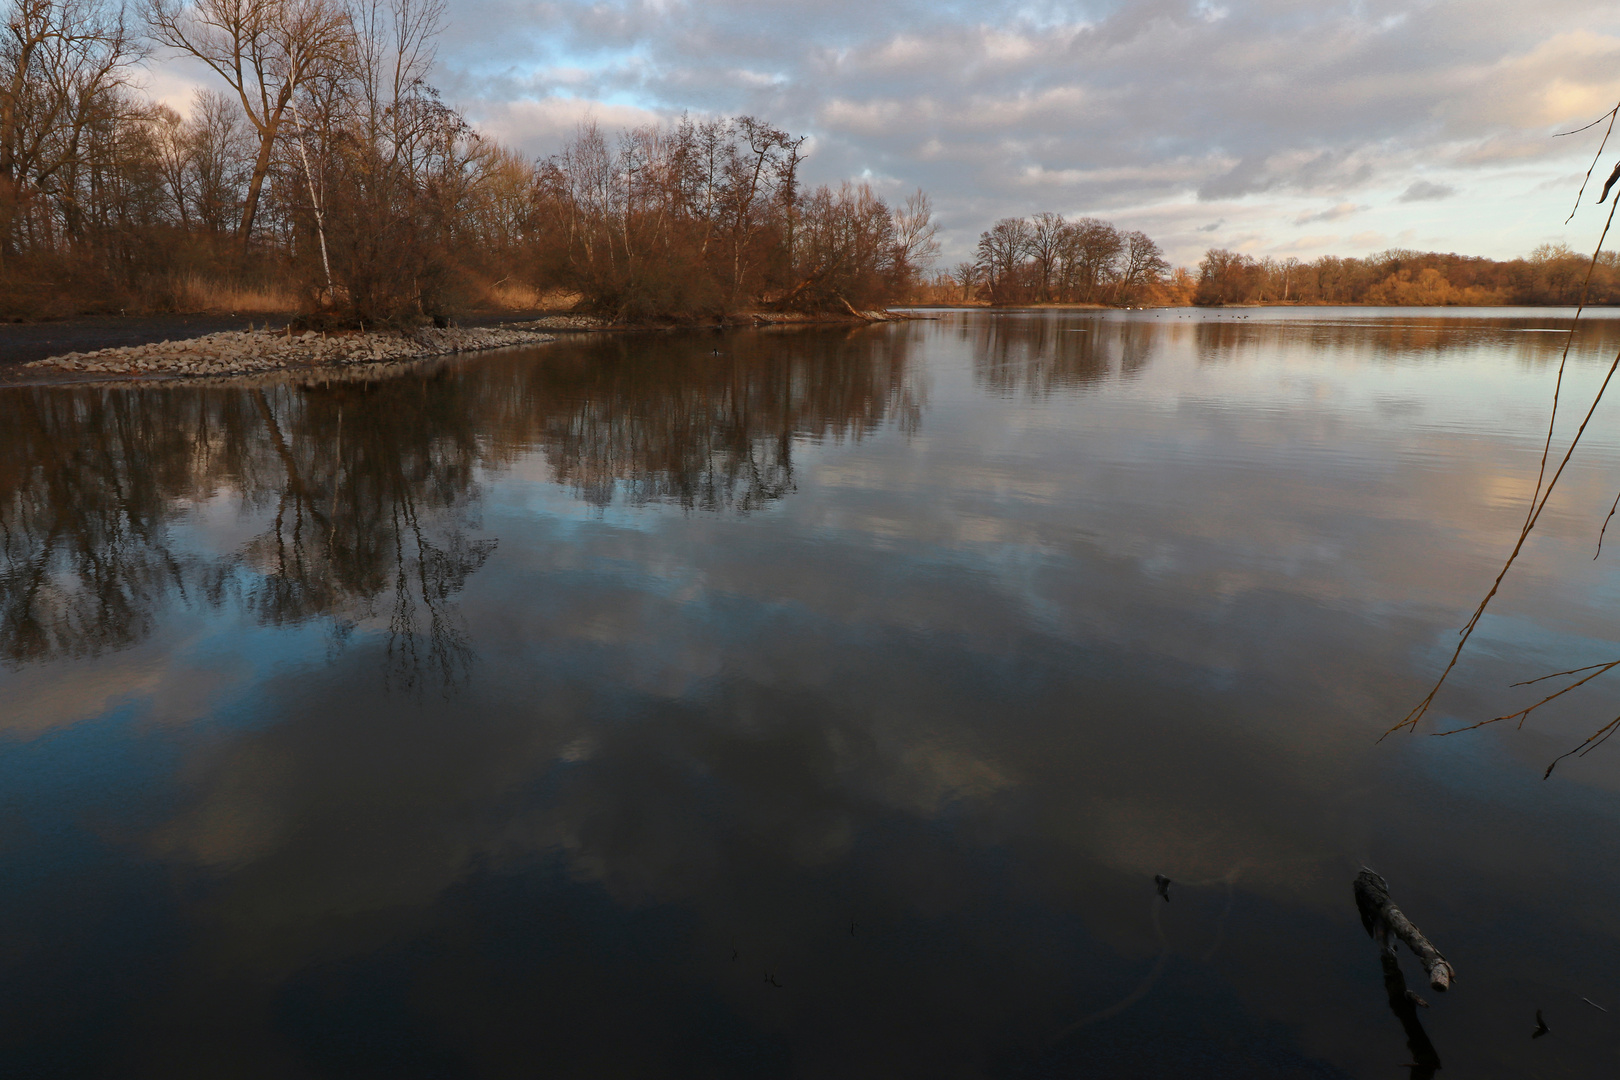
(189, 291)
(508, 295)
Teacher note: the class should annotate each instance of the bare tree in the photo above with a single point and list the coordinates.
(1097, 247)
(966, 275)
(766, 146)
(219, 158)
(915, 246)
(61, 64)
(266, 51)
(175, 152)
(848, 248)
(1047, 239)
(1141, 265)
(1227, 277)
(1002, 251)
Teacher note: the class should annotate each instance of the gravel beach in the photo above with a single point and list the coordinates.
(252, 351)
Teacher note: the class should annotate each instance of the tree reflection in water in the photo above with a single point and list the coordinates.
(1228, 336)
(365, 490)
(708, 422)
(84, 535)
(1038, 355)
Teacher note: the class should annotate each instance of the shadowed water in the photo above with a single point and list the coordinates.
(810, 703)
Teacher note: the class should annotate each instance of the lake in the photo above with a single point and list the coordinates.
(813, 703)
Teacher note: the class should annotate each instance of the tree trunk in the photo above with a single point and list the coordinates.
(261, 169)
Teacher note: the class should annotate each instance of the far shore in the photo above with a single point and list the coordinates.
(1057, 306)
(149, 348)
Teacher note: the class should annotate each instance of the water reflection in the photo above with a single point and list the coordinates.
(88, 486)
(366, 492)
(1047, 352)
(1038, 355)
(354, 505)
(707, 422)
(803, 740)
(1537, 336)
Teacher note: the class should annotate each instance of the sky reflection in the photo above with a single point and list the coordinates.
(813, 703)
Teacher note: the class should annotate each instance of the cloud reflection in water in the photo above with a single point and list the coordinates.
(813, 653)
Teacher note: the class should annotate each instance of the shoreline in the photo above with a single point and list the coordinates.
(972, 305)
(236, 353)
(256, 352)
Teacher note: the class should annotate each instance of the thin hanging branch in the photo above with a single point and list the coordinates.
(1591, 743)
(1554, 675)
(1542, 495)
(1563, 360)
(1595, 159)
(1612, 508)
(1583, 127)
(1522, 713)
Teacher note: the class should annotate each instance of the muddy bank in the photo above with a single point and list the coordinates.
(247, 352)
(21, 343)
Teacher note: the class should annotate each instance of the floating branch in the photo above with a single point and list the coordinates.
(1382, 918)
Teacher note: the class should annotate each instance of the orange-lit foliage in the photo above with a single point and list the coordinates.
(1552, 274)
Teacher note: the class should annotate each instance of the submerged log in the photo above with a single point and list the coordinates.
(1386, 922)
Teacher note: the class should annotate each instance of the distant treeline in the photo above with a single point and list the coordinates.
(324, 173)
(1552, 274)
(1045, 258)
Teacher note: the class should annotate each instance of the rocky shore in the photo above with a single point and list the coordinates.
(248, 351)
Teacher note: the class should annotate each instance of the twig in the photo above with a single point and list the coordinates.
(1583, 127)
(1563, 363)
(1595, 157)
(1605, 528)
(1554, 675)
(1592, 742)
(1522, 713)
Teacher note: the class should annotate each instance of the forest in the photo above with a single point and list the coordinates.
(324, 174)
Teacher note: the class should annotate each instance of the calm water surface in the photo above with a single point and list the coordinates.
(814, 704)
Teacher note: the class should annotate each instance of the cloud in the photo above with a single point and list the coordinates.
(1309, 243)
(1332, 213)
(1005, 108)
(1212, 226)
(1424, 191)
(538, 126)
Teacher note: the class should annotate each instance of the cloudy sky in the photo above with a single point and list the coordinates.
(1271, 126)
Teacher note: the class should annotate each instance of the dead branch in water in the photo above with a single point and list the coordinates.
(1385, 922)
(1381, 918)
